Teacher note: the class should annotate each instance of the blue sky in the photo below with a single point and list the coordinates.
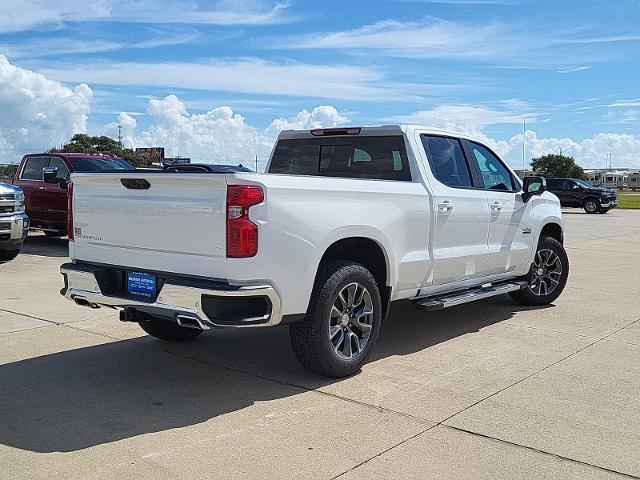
(571, 67)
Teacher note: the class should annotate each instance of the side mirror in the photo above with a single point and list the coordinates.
(533, 186)
(50, 174)
(576, 187)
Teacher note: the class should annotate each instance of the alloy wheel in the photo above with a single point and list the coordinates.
(350, 321)
(545, 272)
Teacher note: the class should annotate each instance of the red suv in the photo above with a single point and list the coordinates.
(46, 202)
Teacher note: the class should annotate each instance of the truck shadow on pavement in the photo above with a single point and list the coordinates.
(98, 394)
(43, 246)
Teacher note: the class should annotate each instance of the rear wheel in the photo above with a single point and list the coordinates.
(168, 331)
(591, 205)
(548, 275)
(342, 323)
(8, 254)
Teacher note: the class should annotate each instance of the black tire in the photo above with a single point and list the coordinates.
(53, 234)
(8, 254)
(591, 205)
(310, 338)
(169, 331)
(527, 296)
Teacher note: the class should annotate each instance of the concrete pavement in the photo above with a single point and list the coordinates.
(486, 390)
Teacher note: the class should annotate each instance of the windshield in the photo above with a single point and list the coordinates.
(99, 164)
(584, 184)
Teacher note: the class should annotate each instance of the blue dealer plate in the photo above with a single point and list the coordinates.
(142, 284)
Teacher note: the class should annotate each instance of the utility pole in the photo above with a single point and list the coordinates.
(524, 143)
(256, 163)
(120, 135)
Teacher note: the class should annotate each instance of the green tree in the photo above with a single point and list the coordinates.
(8, 171)
(82, 143)
(557, 166)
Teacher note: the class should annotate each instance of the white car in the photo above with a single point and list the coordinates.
(345, 221)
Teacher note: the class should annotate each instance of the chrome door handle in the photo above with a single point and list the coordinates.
(445, 206)
(496, 206)
(42, 188)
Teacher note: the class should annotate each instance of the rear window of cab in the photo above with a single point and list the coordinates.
(369, 157)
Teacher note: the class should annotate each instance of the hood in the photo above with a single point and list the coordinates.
(609, 191)
(6, 188)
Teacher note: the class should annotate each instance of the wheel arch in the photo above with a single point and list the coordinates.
(368, 252)
(553, 230)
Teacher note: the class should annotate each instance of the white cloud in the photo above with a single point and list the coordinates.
(37, 113)
(218, 136)
(248, 75)
(575, 69)
(28, 14)
(589, 153)
(499, 43)
(469, 119)
(473, 120)
(322, 116)
(70, 45)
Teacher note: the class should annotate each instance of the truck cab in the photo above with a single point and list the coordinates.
(46, 198)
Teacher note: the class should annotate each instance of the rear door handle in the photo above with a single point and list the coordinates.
(445, 206)
(496, 206)
(42, 188)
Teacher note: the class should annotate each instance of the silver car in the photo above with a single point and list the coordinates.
(14, 223)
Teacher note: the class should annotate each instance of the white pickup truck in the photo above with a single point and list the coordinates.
(345, 221)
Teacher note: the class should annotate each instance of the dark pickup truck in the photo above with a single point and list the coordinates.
(44, 178)
(577, 193)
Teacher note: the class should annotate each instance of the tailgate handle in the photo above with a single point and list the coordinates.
(135, 183)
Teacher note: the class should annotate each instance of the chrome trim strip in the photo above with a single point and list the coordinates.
(178, 299)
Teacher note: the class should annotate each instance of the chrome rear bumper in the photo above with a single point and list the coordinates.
(173, 300)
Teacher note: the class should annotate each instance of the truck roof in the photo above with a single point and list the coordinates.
(394, 129)
(72, 155)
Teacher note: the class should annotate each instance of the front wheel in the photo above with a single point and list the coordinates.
(548, 275)
(168, 331)
(8, 254)
(591, 206)
(342, 323)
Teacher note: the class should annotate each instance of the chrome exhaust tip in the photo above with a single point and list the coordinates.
(83, 302)
(191, 322)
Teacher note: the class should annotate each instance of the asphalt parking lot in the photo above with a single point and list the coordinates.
(485, 390)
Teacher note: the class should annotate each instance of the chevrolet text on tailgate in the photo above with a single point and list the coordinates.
(344, 222)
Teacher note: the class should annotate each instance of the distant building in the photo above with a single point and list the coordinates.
(524, 173)
(614, 178)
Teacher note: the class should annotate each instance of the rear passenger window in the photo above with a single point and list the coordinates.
(33, 168)
(447, 161)
(372, 157)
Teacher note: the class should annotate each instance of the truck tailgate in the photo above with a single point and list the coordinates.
(176, 224)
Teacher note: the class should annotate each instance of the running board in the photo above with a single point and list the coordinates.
(466, 296)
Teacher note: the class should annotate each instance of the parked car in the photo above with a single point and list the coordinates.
(14, 223)
(574, 192)
(346, 221)
(205, 168)
(46, 198)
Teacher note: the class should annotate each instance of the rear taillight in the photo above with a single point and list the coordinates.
(70, 211)
(242, 233)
